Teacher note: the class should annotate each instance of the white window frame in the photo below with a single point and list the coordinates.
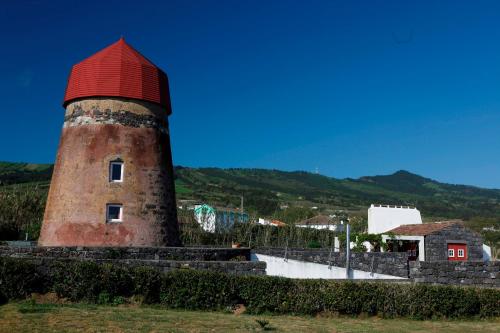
(463, 253)
(120, 217)
(452, 251)
(121, 164)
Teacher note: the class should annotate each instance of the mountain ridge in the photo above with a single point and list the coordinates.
(266, 190)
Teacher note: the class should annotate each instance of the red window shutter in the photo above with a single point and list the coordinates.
(457, 251)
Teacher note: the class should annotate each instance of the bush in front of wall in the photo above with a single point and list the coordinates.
(189, 289)
(206, 290)
(19, 278)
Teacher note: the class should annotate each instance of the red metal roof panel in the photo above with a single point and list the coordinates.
(118, 71)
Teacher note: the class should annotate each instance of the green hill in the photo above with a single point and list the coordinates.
(289, 196)
(16, 173)
(274, 188)
(265, 191)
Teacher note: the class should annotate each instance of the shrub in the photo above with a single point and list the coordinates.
(197, 290)
(264, 293)
(489, 303)
(147, 284)
(86, 280)
(21, 211)
(190, 289)
(3, 299)
(314, 245)
(19, 278)
(76, 280)
(103, 298)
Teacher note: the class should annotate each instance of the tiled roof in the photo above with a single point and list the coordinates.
(118, 71)
(423, 229)
(278, 223)
(317, 220)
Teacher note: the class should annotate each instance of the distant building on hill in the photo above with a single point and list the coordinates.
(213, 219)
(273, 223)
(382, 218)
(321, 222)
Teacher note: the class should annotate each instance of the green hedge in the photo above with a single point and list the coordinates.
(189, 289)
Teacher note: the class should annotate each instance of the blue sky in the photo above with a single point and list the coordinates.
(351, 88)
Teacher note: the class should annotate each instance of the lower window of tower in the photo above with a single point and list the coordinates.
(114, 213)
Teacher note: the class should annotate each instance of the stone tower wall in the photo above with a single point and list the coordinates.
(97, 131)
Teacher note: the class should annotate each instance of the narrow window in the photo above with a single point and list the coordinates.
(114, 213)
(116, 172)
(461, 253)
(451, 253)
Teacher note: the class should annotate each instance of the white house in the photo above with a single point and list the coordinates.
(320, 222)
(382, 218)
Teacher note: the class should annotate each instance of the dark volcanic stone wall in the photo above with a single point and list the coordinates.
(475, 273)
(130, 253)
(436, 244)
(229, 267)
(226, 260)
(390, 263)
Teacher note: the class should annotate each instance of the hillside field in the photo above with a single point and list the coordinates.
(292, 196)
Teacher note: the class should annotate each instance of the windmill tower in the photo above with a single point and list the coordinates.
(113, 178)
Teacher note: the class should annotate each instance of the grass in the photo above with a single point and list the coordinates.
(29, 317)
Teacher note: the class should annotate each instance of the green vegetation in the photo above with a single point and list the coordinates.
(49, 317)
(21, 211)
(15, 173)
(255, 235)
(204, 290)
(305, 189)
(267, 192)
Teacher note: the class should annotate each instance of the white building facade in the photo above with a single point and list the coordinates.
(382, 218)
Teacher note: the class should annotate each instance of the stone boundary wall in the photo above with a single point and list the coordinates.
(472, 273)
(124, 253)
(229, 267)
(390, 263)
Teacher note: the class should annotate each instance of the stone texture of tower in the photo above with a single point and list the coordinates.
(113, 177)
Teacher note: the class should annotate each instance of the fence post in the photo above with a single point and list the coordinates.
(347, 250)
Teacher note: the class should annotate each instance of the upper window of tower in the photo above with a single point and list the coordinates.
(116, 171)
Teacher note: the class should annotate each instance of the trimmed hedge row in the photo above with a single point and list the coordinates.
(188, 289)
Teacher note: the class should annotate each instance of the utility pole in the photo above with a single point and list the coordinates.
(347, 249)
(241, 204)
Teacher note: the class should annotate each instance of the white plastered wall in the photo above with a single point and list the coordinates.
(278, 266)
(382, 218)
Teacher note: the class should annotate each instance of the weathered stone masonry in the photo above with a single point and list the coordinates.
(78, 116)
(473, 273)
(98, 131)
(164, 259)
(436, 243)
(394, 263)
(132, 253)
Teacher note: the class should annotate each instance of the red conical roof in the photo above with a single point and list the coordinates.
(118, 71)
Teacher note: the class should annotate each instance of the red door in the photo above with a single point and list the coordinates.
(457, 251)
